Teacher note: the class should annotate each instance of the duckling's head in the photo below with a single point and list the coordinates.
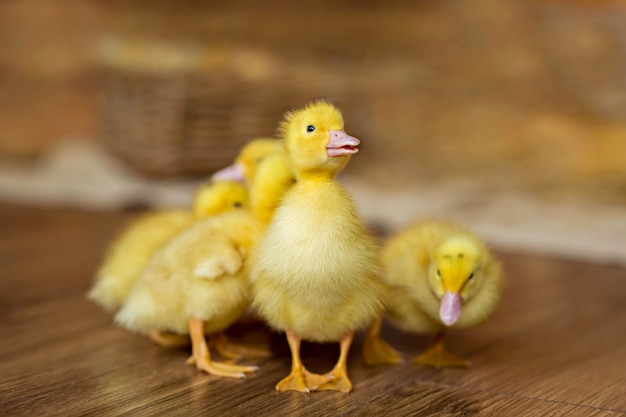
(456, 273)
(219, 197)
(247, 160)
(315, 140)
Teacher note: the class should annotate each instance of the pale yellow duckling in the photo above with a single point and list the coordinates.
(198, 282)
(315, 273)
(130, 252)
(440, 276)
(244, 167)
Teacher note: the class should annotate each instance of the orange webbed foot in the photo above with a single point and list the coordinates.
(338, 377)
(221, 369)
(378, 352)
(337, 382)
(303, 381)
(201, 357)
(437, 356)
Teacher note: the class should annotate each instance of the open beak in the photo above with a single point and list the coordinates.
(450, 308)
(232, 172)
(341, 144)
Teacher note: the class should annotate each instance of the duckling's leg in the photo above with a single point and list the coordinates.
(235, 352)
(375, 350)
(202, 358)
(168, 340)
(437, 356)
(339, 375)
(299, 379)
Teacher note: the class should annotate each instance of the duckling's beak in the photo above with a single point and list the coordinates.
(450, 308)
(341, 144)
(232, 172)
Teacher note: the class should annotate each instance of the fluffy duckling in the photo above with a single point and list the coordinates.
(130, 252)
(268, 184)
(244, 167)
(198, 282)
(315, 273)
(440, 276)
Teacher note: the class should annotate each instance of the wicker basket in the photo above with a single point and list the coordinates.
(170, 110)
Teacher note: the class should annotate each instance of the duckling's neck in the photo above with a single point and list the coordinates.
(316, 175)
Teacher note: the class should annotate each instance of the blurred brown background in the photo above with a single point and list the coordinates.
(531, 92)
(509, 95)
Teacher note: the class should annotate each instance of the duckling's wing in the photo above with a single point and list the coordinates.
(226, 258)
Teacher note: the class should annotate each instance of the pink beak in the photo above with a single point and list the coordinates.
(341, 144)
(230, 173)
(450, 308)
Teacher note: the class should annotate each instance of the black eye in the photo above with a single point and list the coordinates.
(310, 128)
(439, 273)
(471, 276)
(237, 204)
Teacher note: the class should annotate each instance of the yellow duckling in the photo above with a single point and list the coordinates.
(315, 273)
(440, 276)
(269, 180)
(198, 282)
(246, 162)
(130, 252)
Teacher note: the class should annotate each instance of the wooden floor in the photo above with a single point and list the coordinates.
(556, 347)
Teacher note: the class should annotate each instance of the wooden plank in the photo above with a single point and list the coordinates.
(425, 398)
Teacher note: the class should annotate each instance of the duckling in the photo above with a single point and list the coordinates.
(130, 252)
(315, 274)
(244, 167)
(198, 282)
(268, 184)
(268, 179)
(440, 276)
(276, 175)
